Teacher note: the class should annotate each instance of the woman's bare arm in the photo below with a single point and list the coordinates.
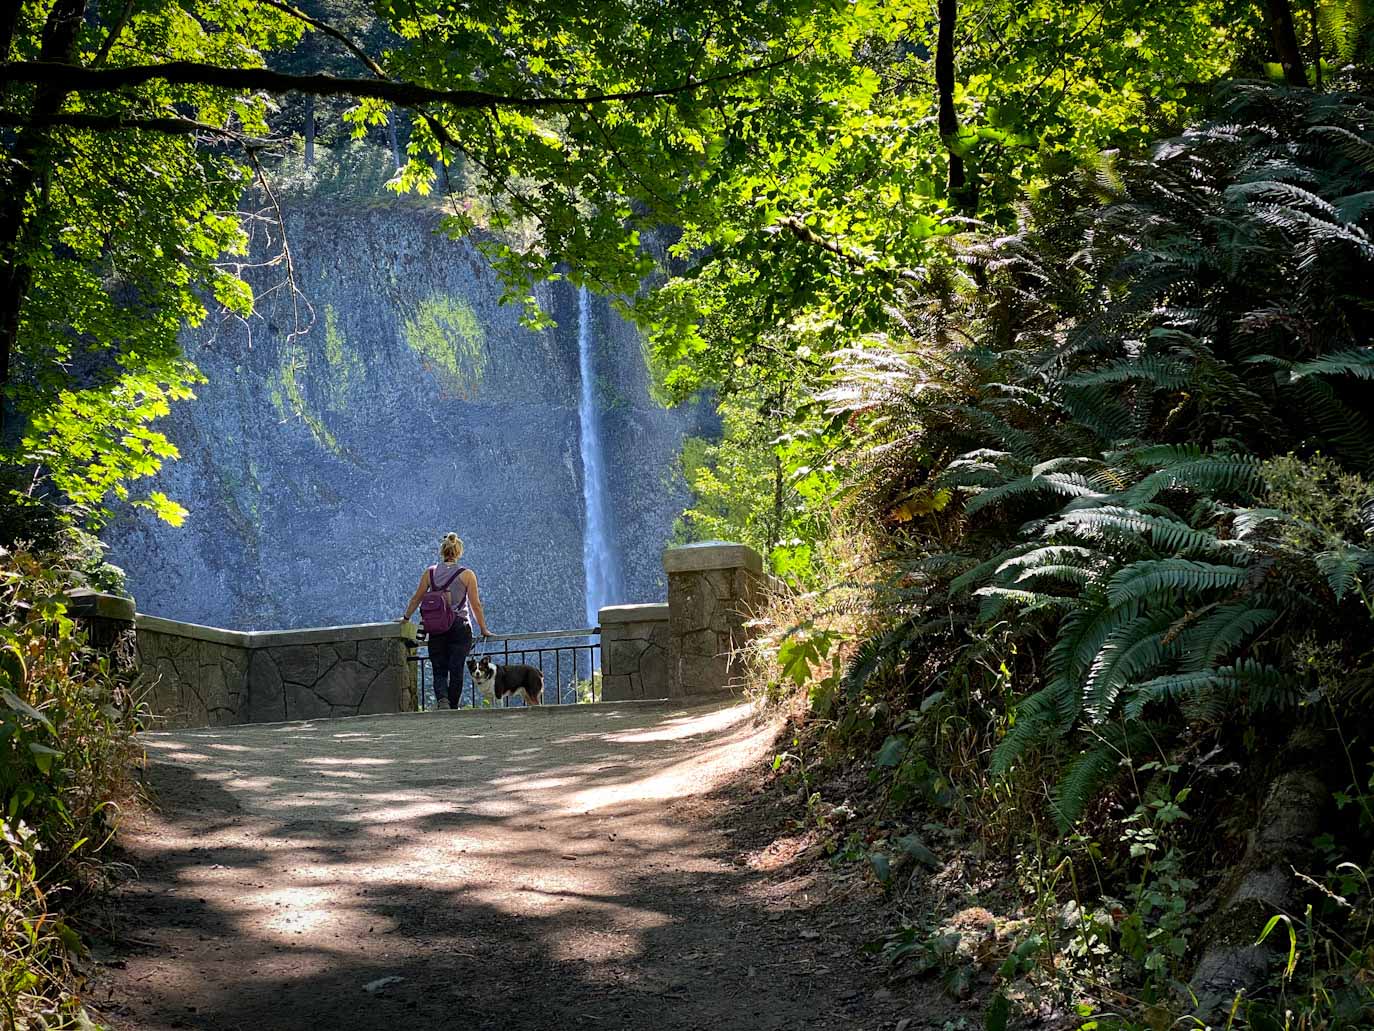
(470, 582)
(415, 598)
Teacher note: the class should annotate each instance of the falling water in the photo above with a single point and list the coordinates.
(598, 563)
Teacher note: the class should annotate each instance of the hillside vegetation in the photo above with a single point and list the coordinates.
(1112, 619)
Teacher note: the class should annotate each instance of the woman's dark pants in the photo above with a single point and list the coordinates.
(448, 651)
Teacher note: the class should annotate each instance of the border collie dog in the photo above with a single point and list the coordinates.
(495, 682)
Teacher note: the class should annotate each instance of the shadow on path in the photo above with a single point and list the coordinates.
(563, 869)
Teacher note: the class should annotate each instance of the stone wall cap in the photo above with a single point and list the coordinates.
(176, 628)
(86, 602)
(633, 613)
(394, 629)
(691, 558)
(327, 634)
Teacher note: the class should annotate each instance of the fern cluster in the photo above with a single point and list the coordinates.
(1108, 438)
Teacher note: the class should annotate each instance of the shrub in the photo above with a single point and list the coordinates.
(67, 755)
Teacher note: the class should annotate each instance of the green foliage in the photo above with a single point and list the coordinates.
(126, 237)
(448, 337)
(67, 719)
(1161, 579)
(765, 484)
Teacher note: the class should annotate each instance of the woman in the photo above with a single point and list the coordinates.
(448, 650)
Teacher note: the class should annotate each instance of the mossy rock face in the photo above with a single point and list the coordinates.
(13, 673)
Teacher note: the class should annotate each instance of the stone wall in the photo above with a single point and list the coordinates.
(203, 676)
(713, 590)
(634, 652)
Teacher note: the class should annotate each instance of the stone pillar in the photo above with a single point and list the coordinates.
(634, 652)
(109, 623)
(713, 590)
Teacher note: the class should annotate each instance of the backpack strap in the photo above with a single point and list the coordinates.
(431, 570)
(447, 583)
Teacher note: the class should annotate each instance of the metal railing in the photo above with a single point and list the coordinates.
(569, 659)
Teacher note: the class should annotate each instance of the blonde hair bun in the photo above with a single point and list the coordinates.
(451, 547)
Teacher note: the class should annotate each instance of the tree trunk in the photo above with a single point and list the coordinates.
(30, 159)
(9, 21)
(1316, 46)
(1279, 14)
(944, 84)
(309, 131)
(391, 136)
(1264, 884)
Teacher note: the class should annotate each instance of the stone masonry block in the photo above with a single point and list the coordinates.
(297, 664)
(374, 654)
(265, 701)
(345, 684)
(304, 704)
(622, 656)
(653, 672)
(615, 688)
(386, 693)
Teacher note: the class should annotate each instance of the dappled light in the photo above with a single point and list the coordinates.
(458, 852)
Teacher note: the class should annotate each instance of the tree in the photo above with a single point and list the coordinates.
(123, 172)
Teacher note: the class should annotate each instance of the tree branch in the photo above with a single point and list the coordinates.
(118, 27)
(330, 31)
(171, 126)
(76, 79)
(806, 234)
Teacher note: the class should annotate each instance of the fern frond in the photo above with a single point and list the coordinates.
(1358, 361)
(1052, 709)
(1267, 685)
(1076, 576)
(1073, 485)
(1280, 193)
(1206, 642)
(1211, 473)
(995, 599)
(1163, 533)
(1171, 579)
(986, 568)
(1115, 747)
(1354, 206)
(1050, 553)
(1131, 650)
(871, 656)
(1342, 567)
(1354, 148)
(1158, 373)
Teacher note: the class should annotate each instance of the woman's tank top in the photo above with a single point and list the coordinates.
(457, 591)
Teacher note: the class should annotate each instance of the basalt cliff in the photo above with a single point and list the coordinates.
(321, 468)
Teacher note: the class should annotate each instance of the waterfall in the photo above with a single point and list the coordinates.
(598, 561)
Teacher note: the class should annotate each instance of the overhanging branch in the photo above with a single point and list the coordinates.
(329, 30)
(169, 125)
(77, 79)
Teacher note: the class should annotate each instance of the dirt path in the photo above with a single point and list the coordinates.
(572, 868)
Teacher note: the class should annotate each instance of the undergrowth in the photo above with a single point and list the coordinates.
(67, 758)
(1100, 640)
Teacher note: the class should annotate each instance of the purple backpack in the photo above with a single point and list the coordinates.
(436, 608)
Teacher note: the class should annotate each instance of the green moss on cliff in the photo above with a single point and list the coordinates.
(451, 343)
(289, 400)
(344, 366)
